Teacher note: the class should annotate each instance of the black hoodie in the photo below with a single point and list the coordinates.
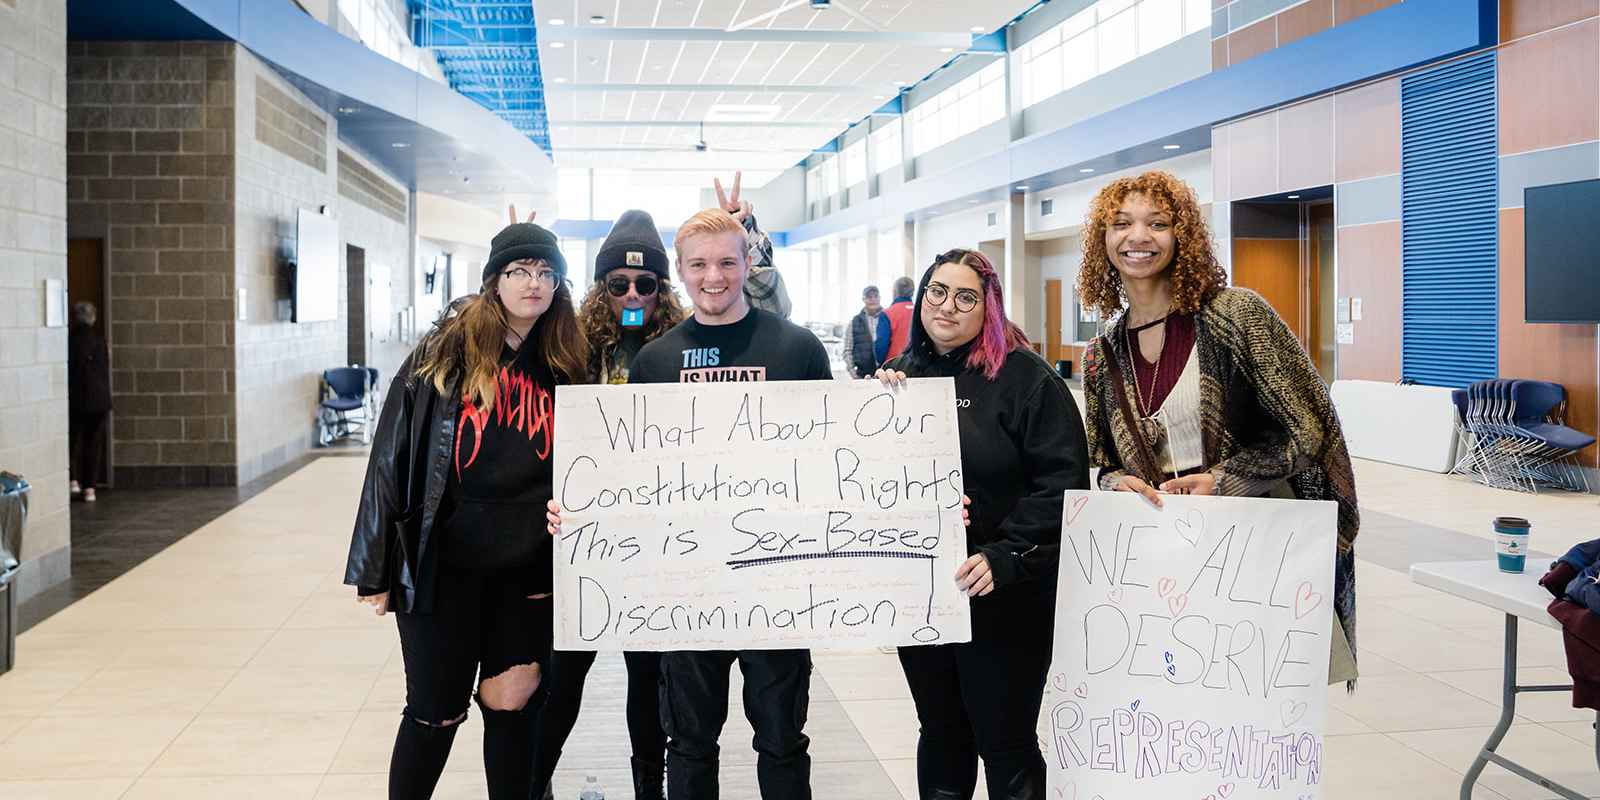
(1022, 446)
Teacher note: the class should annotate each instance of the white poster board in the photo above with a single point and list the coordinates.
(1191, 648)
(758, 515)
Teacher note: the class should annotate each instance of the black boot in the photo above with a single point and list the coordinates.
(1022, 780)
(648, 779)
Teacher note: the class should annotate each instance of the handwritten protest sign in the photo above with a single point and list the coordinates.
(758, 516)
(1191, 648)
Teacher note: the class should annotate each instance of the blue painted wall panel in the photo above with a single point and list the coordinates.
(1449, 225)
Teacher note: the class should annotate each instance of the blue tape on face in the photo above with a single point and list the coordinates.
(632, 317)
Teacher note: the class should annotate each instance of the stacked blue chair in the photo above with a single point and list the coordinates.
(348, 405)
(1517, 439)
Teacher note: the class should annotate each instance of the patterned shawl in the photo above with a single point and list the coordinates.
(1266, 420)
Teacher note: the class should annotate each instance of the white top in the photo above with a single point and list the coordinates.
(1482, 582)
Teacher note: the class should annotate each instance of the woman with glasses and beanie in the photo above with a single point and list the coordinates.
(448, 531)
(1022, 446)
(629, 304)
(1196, 388)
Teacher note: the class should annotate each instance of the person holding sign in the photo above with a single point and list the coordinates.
(1022, 446)
(728, 340)
(1196, 388)
(446, 534)
(631, 303)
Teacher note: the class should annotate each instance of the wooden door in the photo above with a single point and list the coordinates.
(1052, 320)
(1271, 267)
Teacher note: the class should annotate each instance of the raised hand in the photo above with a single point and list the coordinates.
(511, 210)
(729, 201)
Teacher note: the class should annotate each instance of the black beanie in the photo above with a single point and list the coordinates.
(633, 243)
(524, 240)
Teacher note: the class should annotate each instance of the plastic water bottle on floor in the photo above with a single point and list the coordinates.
(591, 790)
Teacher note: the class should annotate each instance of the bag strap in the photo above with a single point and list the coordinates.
(1142, 451)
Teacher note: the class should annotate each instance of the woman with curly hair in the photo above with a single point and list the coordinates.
(1197, 388)
(629, 304)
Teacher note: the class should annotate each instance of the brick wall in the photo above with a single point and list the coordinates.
(150, 171)
(278, 362)
(33, 246)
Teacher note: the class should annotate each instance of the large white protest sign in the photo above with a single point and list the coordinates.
(1191, 648)
(758, 516)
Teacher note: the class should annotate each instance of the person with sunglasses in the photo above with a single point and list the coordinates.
(1022, 446)
(629, 304)
(460, 463)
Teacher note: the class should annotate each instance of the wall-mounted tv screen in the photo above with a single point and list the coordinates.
(316, 274)
(1562, 267)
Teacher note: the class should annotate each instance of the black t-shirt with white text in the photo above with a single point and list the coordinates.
(760, 347)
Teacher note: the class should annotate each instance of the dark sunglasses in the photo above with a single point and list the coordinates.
(645, 285)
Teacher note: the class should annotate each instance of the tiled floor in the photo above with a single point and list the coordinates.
(233, 664)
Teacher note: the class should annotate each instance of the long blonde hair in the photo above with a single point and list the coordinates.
(468, 342)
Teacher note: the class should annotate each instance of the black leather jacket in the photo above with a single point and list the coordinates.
(406, 475)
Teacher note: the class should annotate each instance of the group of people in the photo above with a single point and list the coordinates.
(1194, 388)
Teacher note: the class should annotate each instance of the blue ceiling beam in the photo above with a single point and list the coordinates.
(488, 51)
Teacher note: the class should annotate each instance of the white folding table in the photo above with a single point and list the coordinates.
(1518, 596)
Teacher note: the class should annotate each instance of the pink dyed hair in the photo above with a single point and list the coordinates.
(999, 336)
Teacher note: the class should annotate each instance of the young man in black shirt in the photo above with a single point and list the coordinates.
(727, 340)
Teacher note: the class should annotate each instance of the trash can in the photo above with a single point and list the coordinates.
(13, 518)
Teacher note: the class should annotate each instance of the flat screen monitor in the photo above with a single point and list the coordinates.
(1562, 266)
(316, 275)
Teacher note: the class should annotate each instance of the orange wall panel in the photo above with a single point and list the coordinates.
(1306, 19)
(1305, 145)
(1519, 18)
(1346, 10)
(1550, 89)
(1253, 40)
(1369, 268)
(1366, 125)
(1219, 53)
(1564, 354)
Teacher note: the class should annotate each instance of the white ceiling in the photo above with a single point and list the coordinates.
(865, 75)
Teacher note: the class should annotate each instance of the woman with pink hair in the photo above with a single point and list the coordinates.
(1022, 445)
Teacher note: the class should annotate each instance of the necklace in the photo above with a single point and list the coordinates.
(1155, 373)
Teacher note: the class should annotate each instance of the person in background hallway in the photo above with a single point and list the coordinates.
(630, 304)
(1196, 388)
(1022, 446)
(88, 398)
(866, 344)
(899, 314)
(447, 531)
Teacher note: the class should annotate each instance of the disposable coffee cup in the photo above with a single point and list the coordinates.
(1511, 543)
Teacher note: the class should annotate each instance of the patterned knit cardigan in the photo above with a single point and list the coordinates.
(1266, 419)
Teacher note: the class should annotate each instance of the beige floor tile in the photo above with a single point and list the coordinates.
(218, 744)
(354, 786)
(47, 649)
(366, 748)
(1408, 702)
(903, 771)
(12, 724)
(95, 789)
(1340, 723)
(888, 726)
(322, 609)
(1537, 646)
(284, 688)
(195, 648)
(1423, 646)
(389, 693)
(145, 690)
(258, 787)
(1376, 767)
(1580, 732)
(1534, 706)
(365, 646)
(1540, 749)
(1372, 664)
(30, 691)
(88, 747)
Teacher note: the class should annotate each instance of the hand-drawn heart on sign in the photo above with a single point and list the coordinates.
(1306, 600)
(1191, 527)
(1292, 712)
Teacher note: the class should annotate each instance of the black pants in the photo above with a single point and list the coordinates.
(564, 697)
(87, 435)
(982, 698)
(694, 706)
(482, 625)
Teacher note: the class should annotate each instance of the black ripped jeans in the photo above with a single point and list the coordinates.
(482, 625)
(982, 698)
(694, 707)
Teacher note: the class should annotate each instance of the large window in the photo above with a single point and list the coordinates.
(886, 152)
(978, 100)
(855, 163)
(1101, 38)
(384, 33)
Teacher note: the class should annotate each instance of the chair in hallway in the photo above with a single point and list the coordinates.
(349, 404)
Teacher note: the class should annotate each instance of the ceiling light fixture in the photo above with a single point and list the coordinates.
(1086, 170)
(557, 45)
(1294, 197)
(1020, 188)
(348, 109)
(598, 19)
(972, 202)
(977, 29)
(558, 21)
(1171, 147)
(399, 145)
(560, 80)
(947, 49)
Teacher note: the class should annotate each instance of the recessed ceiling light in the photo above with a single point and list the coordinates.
(972, 202)
(1171, 147)
(560, 80)
(878, 97)
(598, 19)
(977, 29)
(1086, 170)
(557, 45)
(348, 109)
(947, 49)
(899, 83)
(1294, 197)
(1020, 188)
(399, 145)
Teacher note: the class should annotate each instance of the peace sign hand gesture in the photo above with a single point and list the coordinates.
(511, 209)
(731, 202)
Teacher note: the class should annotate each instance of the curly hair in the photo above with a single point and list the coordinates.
(1195, 273)
(603, 331)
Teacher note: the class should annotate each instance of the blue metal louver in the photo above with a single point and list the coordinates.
(1449, 226)
(489, 52)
